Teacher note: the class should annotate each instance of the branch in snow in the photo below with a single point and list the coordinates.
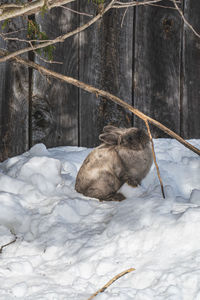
(110, 282)
(3, 246)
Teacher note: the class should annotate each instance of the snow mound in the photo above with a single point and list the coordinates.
(68, 246)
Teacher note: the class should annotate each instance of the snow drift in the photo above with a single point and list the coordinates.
(68, 245)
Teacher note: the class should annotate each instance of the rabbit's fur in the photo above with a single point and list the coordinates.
(124, 156)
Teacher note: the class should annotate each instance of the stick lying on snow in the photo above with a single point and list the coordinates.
(110, 282)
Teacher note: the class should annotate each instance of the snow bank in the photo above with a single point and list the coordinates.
(68, 245)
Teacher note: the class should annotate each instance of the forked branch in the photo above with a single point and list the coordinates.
(59, 39)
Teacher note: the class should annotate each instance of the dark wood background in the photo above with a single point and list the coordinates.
(147, 57)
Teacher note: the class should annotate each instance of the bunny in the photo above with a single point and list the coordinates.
(124, 156)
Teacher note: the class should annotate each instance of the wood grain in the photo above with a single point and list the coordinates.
(190, 110)
(55, 105)
(14, 104)
(157, 65)
(105, 62)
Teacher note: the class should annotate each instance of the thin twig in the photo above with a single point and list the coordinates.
(5, 38)
(3, 246)
(162, 6)
(154, 158)
(77, 12)
(47, 61)
(124, 16)
(11, 5)
(184, 19)
(110, 282)
(119, 4)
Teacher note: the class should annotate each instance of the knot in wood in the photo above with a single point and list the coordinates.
(168, 25)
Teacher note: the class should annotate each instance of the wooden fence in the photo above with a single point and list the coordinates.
(146, 56)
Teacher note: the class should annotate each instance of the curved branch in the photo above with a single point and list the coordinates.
(106, 95)
(60, 38)
(110, 282)
(9, 11)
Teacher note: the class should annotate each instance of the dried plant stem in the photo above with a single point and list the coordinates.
(3, 246)
(154, 158)
(110, 282)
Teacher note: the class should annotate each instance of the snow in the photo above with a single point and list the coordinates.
(68, 246)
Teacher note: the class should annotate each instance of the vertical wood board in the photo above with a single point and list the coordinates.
(106, 63)
(157, 66)
(190, 121)
(55, 104)
(14, 104)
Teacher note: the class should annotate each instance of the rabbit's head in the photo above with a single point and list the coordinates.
(132, 138)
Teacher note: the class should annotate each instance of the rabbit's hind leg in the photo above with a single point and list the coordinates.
(114, 197)
(105, 188)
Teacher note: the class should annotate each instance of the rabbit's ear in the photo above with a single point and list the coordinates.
(110, 128)
(109, 138)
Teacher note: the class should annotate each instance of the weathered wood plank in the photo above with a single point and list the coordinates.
(190, 118)
(106, 63)
(14, 104)
(55, 104)
(157, 66)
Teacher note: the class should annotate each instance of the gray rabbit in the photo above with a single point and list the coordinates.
(124, 156)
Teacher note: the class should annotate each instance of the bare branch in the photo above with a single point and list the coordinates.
(9, 11)
(61, 38)
(105, 95)
(162, 6)
(15, 31)
(48, 61)
(154, 158)
(119, 4)
(110, 282)
(5, 38)
(13, 241)
(184, 19)
(77, 12)
(124, 16)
